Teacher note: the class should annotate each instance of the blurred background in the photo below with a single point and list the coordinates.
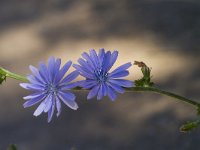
(165, 34)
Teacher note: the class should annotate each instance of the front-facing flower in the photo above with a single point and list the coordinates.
(50, 87)
(95, 68)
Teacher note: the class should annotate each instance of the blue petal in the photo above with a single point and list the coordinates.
(30, 86)
(106, 61)
(87, 84)
(85, 65)
(70, 103)
(89, 60)
(83, 72)
(121, 68)
(116, 87)
(119, 74)
(44, 71)
(104, 89)
(81, 83)
(39, 109)
(78, 68)
(58, 106)
(122, 82)
(67, 95)
(93, 92)
(101, 55)
(51, 111)
(51, 66)
(36, 74)
(48, 103)
(57, 65)
(34, 80)
(111, 94)
(62, 72)
(70, 77)
(34, 95)
(56, 70)
(94, 57)
(100, 93)
(113, 59)
(34, 101)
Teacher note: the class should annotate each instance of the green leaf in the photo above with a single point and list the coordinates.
(189, 126)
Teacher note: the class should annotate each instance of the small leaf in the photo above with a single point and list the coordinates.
(189, 126)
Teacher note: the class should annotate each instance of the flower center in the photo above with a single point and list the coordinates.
(101, 75)
(51, 89)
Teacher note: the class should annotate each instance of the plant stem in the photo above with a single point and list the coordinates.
(156, 90)
(13, 75)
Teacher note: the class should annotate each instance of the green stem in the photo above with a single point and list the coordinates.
(156, 90)
(13, 75)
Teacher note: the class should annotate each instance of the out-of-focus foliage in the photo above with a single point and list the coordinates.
(12, 147)
(189, 126)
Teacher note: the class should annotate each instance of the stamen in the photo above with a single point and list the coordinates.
(51, 89)
(101, 75)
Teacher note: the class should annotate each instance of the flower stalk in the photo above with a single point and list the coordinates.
(170, 94)
(5, 73)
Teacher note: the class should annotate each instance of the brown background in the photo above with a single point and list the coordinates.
(165, 34)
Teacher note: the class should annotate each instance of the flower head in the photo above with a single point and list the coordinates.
(95, 68)
(49, 86)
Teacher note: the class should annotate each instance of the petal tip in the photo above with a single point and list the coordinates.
(75, 107)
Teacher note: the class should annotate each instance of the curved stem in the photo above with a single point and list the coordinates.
(156, 90)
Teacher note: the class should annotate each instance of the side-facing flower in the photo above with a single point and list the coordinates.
(95, 68)
(50, 86)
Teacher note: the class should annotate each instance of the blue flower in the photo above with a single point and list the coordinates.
(95, 68)
(50, 87)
